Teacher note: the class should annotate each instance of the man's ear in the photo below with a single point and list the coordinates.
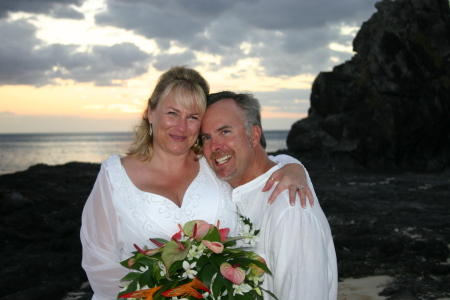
(256, 135)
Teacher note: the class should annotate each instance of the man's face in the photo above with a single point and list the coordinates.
(226, 146)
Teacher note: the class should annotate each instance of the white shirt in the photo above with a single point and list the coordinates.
(296, 243)
(117, 215)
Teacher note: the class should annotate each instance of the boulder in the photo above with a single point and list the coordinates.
(390, 104)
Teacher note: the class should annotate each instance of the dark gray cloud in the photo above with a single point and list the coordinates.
(24, 59)
(57, 8)
(289, 37)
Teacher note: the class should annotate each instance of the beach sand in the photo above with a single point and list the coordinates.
(366, 288)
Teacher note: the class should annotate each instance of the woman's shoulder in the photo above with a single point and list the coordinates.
(112, 161)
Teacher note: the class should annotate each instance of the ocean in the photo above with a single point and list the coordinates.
(20, 151)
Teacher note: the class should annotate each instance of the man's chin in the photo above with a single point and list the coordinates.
(225, 176)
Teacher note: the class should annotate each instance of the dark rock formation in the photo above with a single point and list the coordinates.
(395, 224)
(40, 219)
(390, 104)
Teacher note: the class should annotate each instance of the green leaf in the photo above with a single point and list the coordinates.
(173, 252)
(206, 274)
(269, 292)
(147, 261)
(217, 260)
(177, 265)
(131, 287)
(131, 276)
(203, 260)
(219, 285)
(213, 235)
(145, 278)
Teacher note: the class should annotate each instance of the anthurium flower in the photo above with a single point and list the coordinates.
(233, 273)
(179, 234)
(215, 247)
(175, 251)
(224, 232)
(197, 229)
(187, 289)
(253, 255)
(146, 294)
(131, 262)
(148, 252)
(255, 270)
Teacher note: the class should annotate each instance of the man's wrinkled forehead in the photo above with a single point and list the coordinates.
(223, 115)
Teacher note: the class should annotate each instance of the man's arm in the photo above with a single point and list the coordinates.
(291, 176)
(298, 256)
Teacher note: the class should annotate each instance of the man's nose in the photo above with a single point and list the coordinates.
(216, 145)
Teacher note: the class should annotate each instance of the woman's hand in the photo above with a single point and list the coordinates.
(293, 178)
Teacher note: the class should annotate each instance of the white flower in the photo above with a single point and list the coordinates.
(143, 269)
(256, 279)
(249, 235)
(125, 286)
(241, 289)
(163, 268)
(189, 272)
(195, 251)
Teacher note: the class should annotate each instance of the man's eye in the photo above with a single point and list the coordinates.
(206, 138)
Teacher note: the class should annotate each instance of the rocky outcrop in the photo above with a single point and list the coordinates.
(390, 104)
(383, 224)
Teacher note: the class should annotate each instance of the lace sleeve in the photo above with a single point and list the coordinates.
(100, 237)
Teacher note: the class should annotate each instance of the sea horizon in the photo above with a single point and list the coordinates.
(19, 151)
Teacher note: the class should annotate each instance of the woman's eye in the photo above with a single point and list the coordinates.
(193, 117)
(172, 113)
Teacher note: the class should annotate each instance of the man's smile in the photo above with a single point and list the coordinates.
(223, 159)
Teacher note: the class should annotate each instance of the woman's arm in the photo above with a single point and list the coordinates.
(292, 177)
(100, 239)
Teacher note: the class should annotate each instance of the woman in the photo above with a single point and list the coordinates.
(160, 184)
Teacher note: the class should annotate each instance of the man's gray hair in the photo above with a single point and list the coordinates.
(249, 106)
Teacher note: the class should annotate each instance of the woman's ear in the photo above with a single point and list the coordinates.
(149, 115)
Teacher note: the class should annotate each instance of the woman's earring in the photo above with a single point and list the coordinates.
(150, 130)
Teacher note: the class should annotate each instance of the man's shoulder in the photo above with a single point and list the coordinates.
(282, 207)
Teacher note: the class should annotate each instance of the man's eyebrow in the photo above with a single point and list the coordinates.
(223, 127)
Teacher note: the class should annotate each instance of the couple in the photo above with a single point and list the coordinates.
(163, 183)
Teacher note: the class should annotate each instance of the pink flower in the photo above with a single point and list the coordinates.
(215, 247)
(233, 273)
(197, 229)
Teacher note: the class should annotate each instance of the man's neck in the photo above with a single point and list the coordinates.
(260, 165)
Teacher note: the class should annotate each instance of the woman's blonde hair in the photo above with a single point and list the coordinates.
(188, 88)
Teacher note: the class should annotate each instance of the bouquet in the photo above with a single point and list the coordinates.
(199, 262)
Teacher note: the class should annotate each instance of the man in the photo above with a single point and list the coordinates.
(296, 243)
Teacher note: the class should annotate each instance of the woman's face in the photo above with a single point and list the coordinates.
(175, 127)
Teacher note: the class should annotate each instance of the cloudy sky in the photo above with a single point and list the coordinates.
(90, 65)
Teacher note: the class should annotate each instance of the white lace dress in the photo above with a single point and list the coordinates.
(117, 215)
